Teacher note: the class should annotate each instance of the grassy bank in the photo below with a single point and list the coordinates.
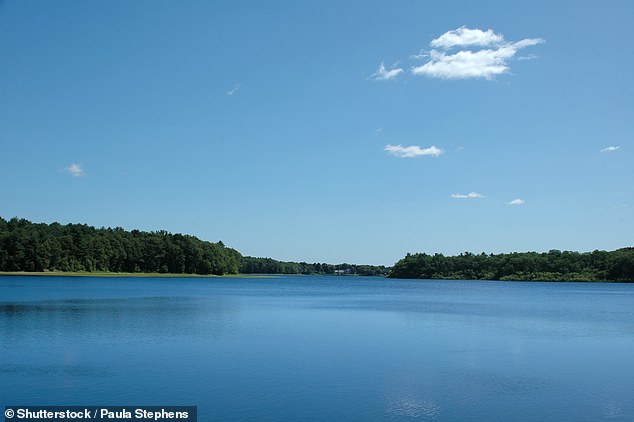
(111, 274)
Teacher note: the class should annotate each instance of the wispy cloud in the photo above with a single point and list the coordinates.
(517, 201)
(233, 90)
(412, 151)
(471, 195)
(611, 149)
(75, 170)
(422, 54)
(484, 63)
(382, 74)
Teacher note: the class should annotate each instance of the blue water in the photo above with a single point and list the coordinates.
(322, 348)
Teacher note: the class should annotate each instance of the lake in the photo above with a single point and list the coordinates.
(322, 348)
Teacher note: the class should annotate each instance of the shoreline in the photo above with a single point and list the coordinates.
(174, 275)
(135, 275)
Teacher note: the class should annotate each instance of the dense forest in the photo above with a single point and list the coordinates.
(550, 266)
(27, 246)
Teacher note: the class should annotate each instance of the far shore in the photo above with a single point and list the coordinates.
(173, 275)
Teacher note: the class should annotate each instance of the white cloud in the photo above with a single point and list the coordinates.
(464, 64)
(611, 149)
(464, 37)
(233, 90)
(467, 195)
(75, 170)
(382, 74)
(412, 151)
(517, 201)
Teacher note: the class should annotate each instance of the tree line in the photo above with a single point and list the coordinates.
(554, 265)
(27, 246)
(251, 265)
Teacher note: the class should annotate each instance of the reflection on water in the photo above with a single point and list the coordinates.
(11, 371)
(322, 348)
(413, 408)
(138, 317)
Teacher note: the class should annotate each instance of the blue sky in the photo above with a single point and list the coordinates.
(322, 131)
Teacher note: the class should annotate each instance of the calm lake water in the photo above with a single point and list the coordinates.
(322, 348)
